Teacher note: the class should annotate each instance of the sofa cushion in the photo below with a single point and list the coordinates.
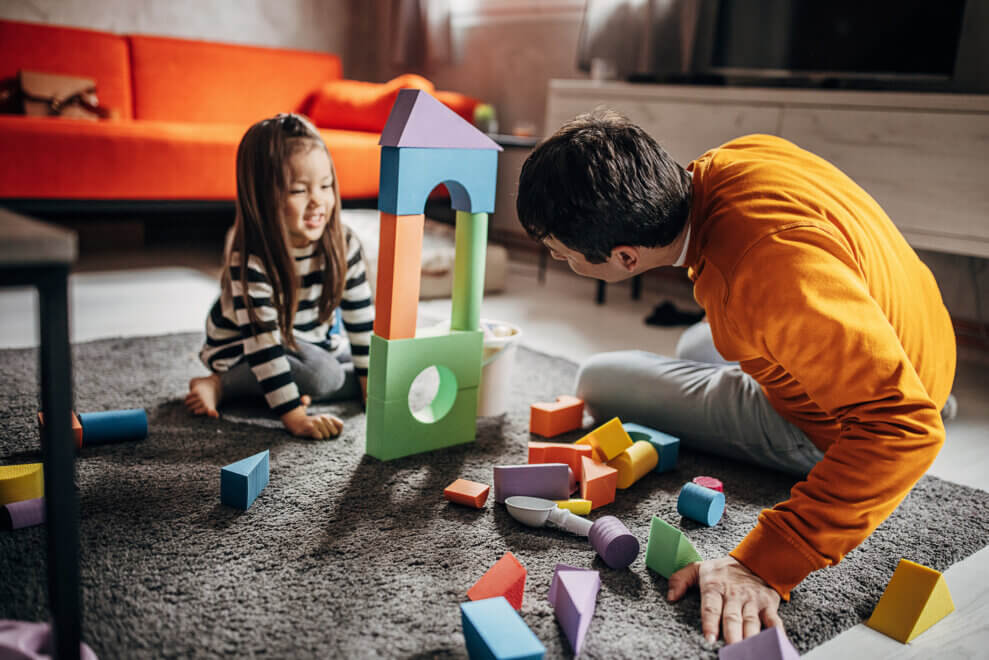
(199, 81)
(70, 51)
(141, 160)
(358, 105)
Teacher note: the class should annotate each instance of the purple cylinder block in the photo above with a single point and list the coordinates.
(611, 539)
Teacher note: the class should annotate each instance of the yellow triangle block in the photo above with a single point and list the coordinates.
(21, 482)
(915, 599)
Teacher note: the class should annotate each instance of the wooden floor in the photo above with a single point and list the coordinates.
(124, 295)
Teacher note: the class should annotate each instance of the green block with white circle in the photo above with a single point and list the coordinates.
(395, 363)
(393, 428)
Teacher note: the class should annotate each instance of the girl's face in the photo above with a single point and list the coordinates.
(309, 198)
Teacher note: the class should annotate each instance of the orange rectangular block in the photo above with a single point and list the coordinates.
(560, 452)
(468, 493)
(552, 419)
(399, 271)
(599, 483)
(76, 428)
(506, 578)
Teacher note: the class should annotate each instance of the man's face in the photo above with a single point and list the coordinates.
(609, 271)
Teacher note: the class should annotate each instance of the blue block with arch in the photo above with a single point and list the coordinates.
(409, 174)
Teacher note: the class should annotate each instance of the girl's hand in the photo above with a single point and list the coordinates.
(363, 381)
(303, 425)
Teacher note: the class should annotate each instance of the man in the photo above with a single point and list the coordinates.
(834, 354)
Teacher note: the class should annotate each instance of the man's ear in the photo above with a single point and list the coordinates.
(626, 257)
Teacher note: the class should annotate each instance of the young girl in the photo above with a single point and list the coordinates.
(269, 333)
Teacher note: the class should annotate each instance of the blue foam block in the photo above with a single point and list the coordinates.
(243, 481)
(493, 630)
(100, 428)
(408, 175)
(666, 445)
(701, 504)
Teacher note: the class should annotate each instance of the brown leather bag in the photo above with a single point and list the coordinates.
(55, 95)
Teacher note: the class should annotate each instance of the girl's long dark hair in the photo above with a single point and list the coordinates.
(262, 183)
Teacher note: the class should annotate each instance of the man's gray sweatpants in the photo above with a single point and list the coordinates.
(710, 404)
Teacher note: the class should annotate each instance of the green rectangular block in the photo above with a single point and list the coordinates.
(393, 431)
(395, 363)
(668, 550)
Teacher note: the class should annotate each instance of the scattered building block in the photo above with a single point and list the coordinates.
(709, 482)
(634, 463)
(547, 480)
(494, 631)
(25, 513)
(573, 594)
(598, 483)
(666, 445)
(396, 295)
(468, 493)
(611, 539)
(552, 419)
(608, 440)
(915, 599)
(560, 452)
(701, 504)
(105, 427)
(506, 578)
(668, 550)
(770, 644)
(575, 505)
(24, 639)
(76, 428)
(243, 481)
(21, 482)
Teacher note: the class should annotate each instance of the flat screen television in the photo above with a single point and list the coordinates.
(935, 45)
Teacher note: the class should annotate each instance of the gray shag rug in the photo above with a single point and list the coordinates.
(346, 556)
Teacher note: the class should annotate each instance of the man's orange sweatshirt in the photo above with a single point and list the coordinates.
(810, 287)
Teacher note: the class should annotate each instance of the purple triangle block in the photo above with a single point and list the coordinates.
(419, 120)
(573, 594)
(770, 644)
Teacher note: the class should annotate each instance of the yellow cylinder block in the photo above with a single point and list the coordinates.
(578, 506)
(634, 463)
(21, 482)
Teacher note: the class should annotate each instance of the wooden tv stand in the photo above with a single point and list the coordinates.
(924, 157)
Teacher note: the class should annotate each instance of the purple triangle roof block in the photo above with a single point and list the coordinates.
(419, 120)
(573, 594)
(770, 644)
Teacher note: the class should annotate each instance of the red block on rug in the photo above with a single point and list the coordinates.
(506, 578)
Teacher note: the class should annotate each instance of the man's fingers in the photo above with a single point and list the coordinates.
(712, 605)
(750, 619)
(682, 580)
(770, 617)
(731, 620)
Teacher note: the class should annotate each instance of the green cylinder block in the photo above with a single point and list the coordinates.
(468, 272)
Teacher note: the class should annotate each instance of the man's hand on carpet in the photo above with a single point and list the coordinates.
(304, 425)
(730, 594)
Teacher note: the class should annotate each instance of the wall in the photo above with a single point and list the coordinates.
(503, 52)
(320, 25)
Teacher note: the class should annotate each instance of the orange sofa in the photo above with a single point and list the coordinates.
(182, 107)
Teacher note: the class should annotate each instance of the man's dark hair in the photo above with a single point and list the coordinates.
(601, 181)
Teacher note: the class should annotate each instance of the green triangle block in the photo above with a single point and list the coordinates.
(668, 550)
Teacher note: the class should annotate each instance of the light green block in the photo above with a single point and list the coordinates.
(395, 363)
(668, 550)
(393, 431)
(471, 242)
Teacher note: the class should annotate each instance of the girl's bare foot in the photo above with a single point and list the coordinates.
(204, 395)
